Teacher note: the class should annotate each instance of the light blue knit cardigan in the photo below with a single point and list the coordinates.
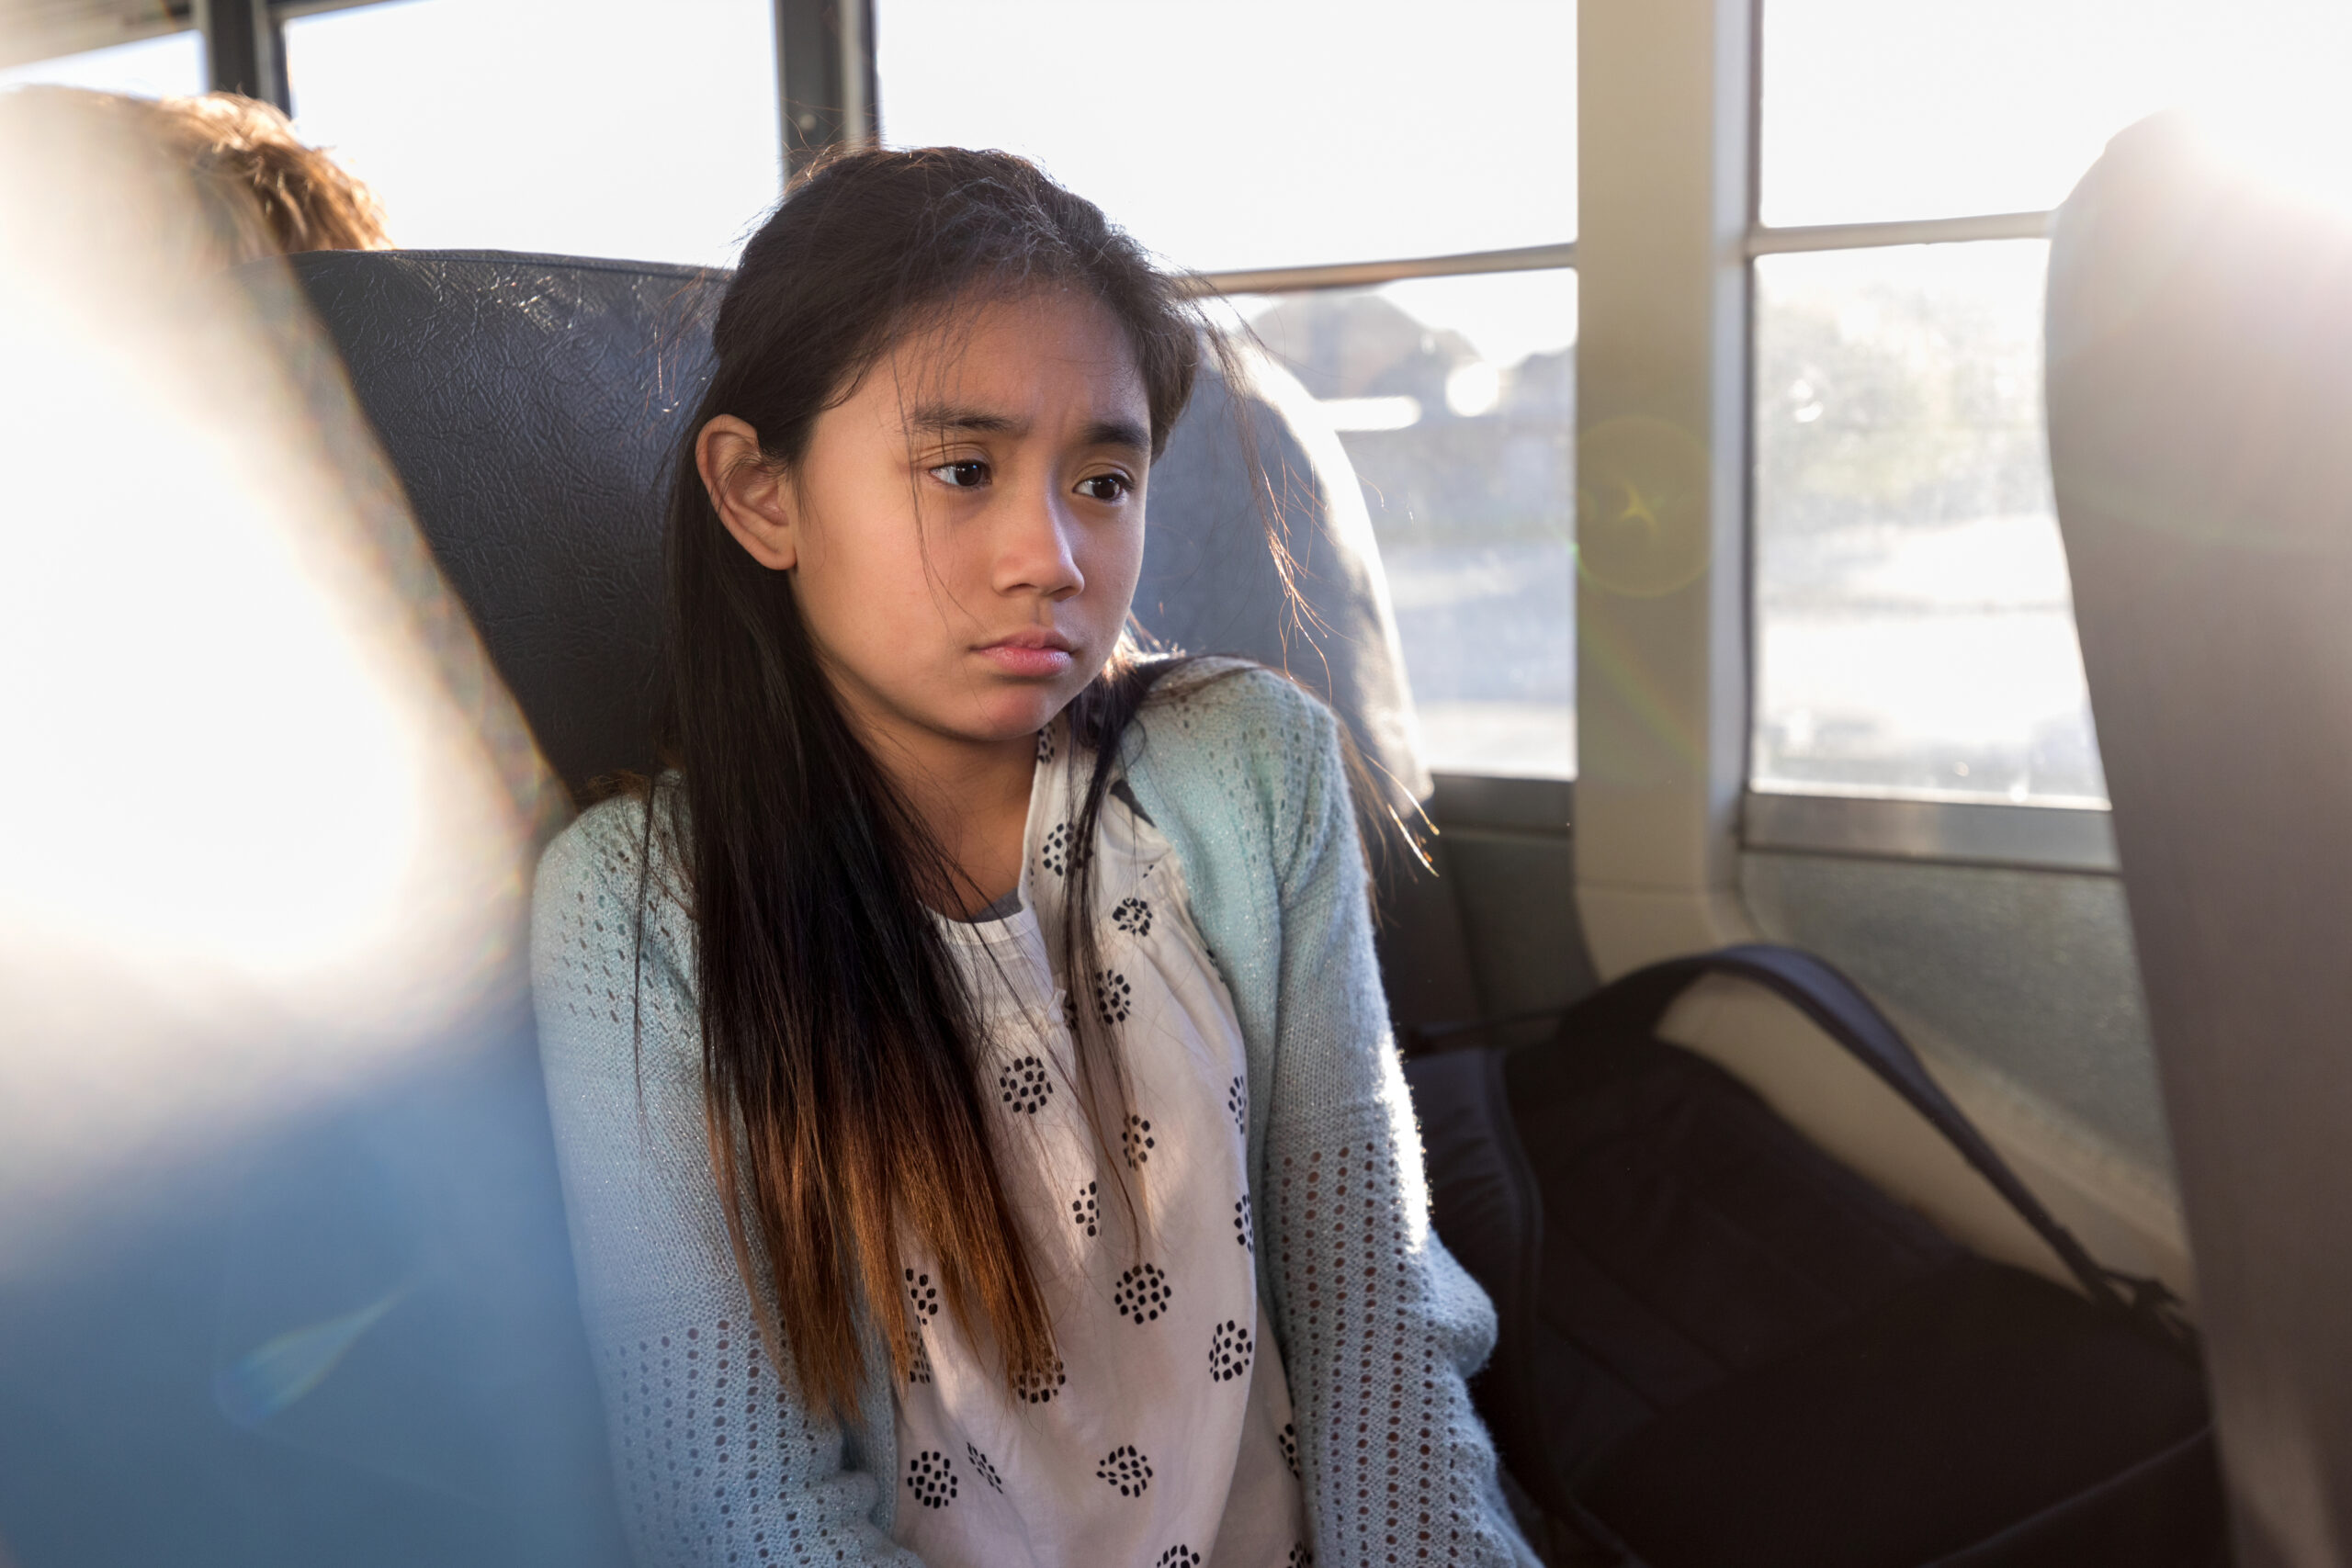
(1378, 1326)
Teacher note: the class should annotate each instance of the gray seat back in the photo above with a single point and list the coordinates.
(2199, 386)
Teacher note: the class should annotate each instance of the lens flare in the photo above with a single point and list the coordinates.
(280, 1371)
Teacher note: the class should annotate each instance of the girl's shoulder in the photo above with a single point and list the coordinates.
(1232, 745)
(611, 935)
(618, 853)
(1238, 705)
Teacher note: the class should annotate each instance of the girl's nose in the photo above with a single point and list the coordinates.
(1036, 549)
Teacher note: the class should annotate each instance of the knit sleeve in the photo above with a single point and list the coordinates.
(715, 1460)
(1380, 1325)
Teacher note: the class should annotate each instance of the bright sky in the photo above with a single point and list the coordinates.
(1922, 109)
(1235, 133)
(579, 127)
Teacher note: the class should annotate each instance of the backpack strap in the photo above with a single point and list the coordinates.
(1840, 1009)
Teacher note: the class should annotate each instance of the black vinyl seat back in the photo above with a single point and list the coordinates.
(530, 406)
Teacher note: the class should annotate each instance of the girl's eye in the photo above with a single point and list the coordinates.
(969, 473)
(1105, 487)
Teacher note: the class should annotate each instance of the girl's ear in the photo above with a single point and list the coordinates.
(753, 497)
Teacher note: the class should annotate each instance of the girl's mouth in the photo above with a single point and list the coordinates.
(1032, 653)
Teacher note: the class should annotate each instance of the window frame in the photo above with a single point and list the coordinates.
(1861, 821)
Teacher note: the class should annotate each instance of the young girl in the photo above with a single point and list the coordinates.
(982, 1135)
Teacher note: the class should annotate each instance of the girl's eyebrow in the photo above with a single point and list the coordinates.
(1123, 432)
(933, 419)
(938, 419)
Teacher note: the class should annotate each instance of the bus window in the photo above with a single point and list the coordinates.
(168, 65)
(1454, 397)
(1914, 624)
(1388, 200)
(564, 125)
(1915, 630)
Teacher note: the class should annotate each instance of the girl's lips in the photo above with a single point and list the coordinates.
(1014, 658)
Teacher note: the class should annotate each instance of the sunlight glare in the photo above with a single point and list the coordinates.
(2294, 137)
(269, 841)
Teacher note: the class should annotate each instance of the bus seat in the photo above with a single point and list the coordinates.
(534, 439)
(2199, 387)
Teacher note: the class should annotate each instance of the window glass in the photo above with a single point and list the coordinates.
(168, 65)
(1247, 133)
(1454, 397)
(1935, 107)
(578, 126)
(1915, 626)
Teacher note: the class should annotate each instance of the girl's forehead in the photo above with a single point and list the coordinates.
(1024, 344)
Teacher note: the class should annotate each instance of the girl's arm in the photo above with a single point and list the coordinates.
(1380, 1326)
(715, 1463)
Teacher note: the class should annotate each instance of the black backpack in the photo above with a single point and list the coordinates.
(1719, 1347)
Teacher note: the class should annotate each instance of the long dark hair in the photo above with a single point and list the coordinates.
(844, 1117)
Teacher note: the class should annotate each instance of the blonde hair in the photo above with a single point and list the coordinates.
(307, 200)
(211, 181)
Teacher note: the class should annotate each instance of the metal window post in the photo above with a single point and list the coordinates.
(826, 78)
(244, 50)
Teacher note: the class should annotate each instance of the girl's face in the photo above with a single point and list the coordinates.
(966, 530)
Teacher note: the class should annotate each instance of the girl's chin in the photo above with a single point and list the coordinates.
(1016, 714)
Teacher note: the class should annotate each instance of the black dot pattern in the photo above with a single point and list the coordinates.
(1133, 915)
(1237, 1101)
(1024, 1085)
(1300, 1557)
(1046, 744)
(982, 1468)
(1179, 1557)
(932, 1477)
(1084, 1210)
(1137, 1141)
(1114, 998)
(919, 1364)
(1143, 1293)
(1060, 852)
(1241, 1219)
(1038, 1384)
(1290, 1446)
(1125, 1469)
(1229, 1351)
(923, 1296)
